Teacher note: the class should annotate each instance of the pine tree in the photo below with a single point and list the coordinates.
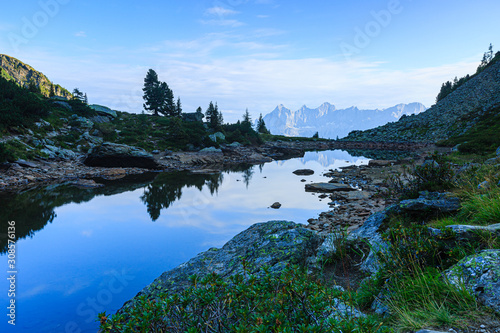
(261, 126)
(52, 92)
(214, 118)
(154, 100)
(220, 119)
(78, 95)
(247, 121)
(178, 107)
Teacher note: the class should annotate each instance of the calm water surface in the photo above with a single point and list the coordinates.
(82, 251)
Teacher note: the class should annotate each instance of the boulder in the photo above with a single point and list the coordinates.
(303, 172)
(480, 274)
(82, 122)
(218, 136)
(54, 152)
(430, 202)
(276, 205)
(328, 187)
(119, 155)
(103, 110)
(369, 232)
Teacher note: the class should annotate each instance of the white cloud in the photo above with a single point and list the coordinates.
(220, 11)
(224, 23)
(198, 73)
(80, 34)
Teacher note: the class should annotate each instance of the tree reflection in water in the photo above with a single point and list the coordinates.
(33, 209)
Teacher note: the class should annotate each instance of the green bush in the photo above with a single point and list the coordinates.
(436, 175)
(290, 302)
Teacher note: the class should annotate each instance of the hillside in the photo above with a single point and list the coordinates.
(23, 74)
(331, 122)
(452, 116)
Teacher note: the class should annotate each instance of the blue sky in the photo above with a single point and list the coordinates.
(253, 54)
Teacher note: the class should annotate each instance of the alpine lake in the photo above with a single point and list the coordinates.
(80, 252)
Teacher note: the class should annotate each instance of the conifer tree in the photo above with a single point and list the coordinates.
(261, 126)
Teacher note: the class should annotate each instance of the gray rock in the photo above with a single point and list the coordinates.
(369, 232)
(480, 273)
(430, 202)
(430, 331)
(218, 136)
(92, 140)
(484, 185)
(211, 150)
(103, 110)
(63, 104)
(498, 152)
(82, 122)
(303, 172)
(42, 123)
(276, 205)
(100, 119)
(327, 187)
(156, 151)
(118, 155)
(54, 152)
(27, 164)
(234, 144)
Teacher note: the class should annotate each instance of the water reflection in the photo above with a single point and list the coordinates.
(167, 188)
(33, 209)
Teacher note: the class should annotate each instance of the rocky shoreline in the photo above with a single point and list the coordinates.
(22, 174)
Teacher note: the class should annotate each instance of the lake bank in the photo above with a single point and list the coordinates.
(25, 174)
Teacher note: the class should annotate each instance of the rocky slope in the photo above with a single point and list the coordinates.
(13, 69)
(452, 116)
(330, 122)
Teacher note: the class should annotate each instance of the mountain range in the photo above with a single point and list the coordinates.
(331, 122)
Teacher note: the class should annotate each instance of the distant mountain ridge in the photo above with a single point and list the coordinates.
(331, 122)
(21, 73)
(454, 115)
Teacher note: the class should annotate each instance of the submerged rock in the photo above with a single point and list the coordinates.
(304, 172)
(328, 187)
(119, 155)
(276, 205)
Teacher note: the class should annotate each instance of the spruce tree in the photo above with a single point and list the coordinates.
(247, 121)
(178, 107)
(214, 118)
(154, 100)
(261, 126)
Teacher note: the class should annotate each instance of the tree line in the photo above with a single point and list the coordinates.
(159, 100)
(448, 87)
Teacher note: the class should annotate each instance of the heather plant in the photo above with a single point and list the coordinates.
(290, 302)
(436, 174)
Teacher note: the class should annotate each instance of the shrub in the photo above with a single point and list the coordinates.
(436, 175)
(290, 302)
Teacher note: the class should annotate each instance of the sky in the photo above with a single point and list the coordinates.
(253, 54)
